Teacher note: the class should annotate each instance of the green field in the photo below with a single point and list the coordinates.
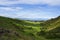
(14, 29)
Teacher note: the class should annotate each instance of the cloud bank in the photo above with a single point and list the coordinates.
(49, 2)
(30, 8)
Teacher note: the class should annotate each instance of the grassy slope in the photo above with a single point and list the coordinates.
(51, 24)
(51, 28)
(13, 29)
(10, 29)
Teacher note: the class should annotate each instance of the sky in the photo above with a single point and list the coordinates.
(30, 8)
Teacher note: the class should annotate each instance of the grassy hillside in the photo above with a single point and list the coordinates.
(13, 29)
(50, 28)
(51, 24)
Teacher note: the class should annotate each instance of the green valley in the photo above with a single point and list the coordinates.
(14, 29)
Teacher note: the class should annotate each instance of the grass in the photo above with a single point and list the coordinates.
(14, 29)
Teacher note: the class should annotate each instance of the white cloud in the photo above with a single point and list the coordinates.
(8, 15)
(49, 2)
(32, 15)
(26, 14)
(11, 8)
(6, 8)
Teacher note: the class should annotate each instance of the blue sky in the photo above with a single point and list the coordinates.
(30, 8)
